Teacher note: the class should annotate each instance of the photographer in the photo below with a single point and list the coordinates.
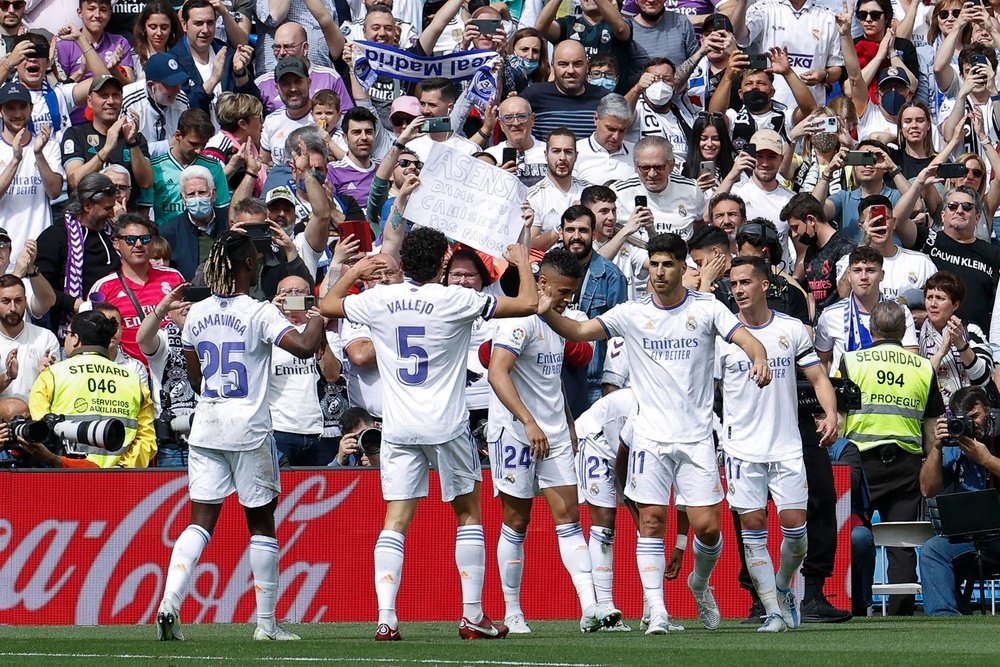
(88, 386)
(962, 463)
(358, 448)
(26, 453)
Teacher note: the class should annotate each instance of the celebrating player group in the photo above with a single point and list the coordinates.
(648, 446)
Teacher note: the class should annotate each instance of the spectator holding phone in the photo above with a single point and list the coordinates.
(521, 153)
(978, 65)
(659, 111)
(710, 152)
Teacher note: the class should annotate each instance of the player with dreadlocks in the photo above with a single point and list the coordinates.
(227, 342)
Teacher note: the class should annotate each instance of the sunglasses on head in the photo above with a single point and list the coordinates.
(870, 16)
(109, 191)
(966, 205)
(945, 13)
(132, 239)
(406, 164)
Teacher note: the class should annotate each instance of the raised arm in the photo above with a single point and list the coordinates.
(572, 330)
(331, 32)
(546, 21)
(431, 34)
(306, 343)
(146, 336)
(858, 90)
(526, 301)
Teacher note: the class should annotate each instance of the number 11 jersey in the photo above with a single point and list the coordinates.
(421, 337)
(232, 337)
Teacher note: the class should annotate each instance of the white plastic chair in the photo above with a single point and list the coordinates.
(909, 534)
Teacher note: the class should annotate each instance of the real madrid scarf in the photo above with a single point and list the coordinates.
(858, 336)
(373, 60)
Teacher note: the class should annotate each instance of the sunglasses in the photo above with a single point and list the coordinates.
(17, 4)
(109, 191)
(870, 16)
(945, 13)
(132, 239)
(401, 121)
(966, 206)
(406, 164)
(976, 172)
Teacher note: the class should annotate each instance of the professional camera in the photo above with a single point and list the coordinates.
(370, 442)
(959, 425)
(172, 430)
(108, 433)
(28, 429)
(848, 396)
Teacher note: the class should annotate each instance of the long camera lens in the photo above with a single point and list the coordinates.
(107, 434)
(29, 430)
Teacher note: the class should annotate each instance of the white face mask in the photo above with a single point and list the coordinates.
(659, 93)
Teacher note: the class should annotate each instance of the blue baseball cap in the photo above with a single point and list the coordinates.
(164, 68)
(14, 92)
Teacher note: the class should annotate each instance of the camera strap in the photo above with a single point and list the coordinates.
(131, 296)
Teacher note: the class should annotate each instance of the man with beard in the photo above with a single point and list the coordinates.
(111, 138)
(26, 349)
(352, 176)
(26, 158)
(602, 287)
(728, 212)
(622, 246)
(657, 32)
(292, 77)
(568, 100)
(601, 29)
(658, 112)
(552, 195)
(291, 41)
(158, 101)
(11, 25)
(762, 194)
(194, 129)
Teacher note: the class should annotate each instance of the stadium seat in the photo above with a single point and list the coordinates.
(908, 534)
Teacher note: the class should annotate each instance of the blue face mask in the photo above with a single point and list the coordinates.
(892, 102)
(522, 64)
(606, 82)
(199, 208)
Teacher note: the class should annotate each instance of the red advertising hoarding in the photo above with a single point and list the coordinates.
(91, 547)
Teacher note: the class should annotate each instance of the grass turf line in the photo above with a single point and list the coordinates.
(938, 642)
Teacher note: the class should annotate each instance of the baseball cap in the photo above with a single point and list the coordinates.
(767, 140)
(164, 68)
(279, 192)
(14, 92)
(4, 236)
(102, 80)
(406, 104)
(715, 22)
(291, 65)
(893, 75)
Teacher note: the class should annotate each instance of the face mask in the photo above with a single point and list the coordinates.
(826, 142)
(198, 208)
(605, 82)
(808, 240)
(755, 100)
(659, 93)
(524, 65)
(892, 102)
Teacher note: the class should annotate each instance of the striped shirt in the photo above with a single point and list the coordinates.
(554, 109)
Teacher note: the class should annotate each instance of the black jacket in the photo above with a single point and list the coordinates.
(99, 259)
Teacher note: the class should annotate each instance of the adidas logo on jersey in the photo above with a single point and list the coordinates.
(648, 325)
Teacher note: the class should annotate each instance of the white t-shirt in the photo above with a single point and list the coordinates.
(595, 164)
(671, 352)
(25, 207)
(632, 261)
(33, 344)
(292, 390)
(421, 336)
(832, 327)
(233, 337)
(760, 425)
(907, 269)
(675, 209)
(549, 202)
(763, 204)
(601, 425)
(873, 120)
(477, 385)
(537, 377)
(364, 387)
(277, 127)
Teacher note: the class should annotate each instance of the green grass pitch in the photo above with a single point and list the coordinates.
(874, 641)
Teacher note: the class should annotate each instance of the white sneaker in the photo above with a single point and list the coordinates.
(789, 608)
(643, 623)
(660, 625)
(168, 623)
(620, 626)
(609, 614)
(278, 633)
(708, 610)
(516, 625)
(590, 621)
(773, 623)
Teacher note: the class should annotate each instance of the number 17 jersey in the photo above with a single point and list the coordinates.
(421, 336)
(232, 337)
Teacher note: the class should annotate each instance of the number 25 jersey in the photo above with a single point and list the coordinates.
(233, 337)
(421, 337)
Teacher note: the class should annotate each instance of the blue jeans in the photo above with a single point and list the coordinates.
(176, 457)
(304, 449)
(862, 569)
(937, 575)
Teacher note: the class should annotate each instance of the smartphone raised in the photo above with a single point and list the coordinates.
(952, 170)
(830, 125)
(641, 200)
(707, 167)
(259, 234)
(759, 61)
(361, 231)
(487, 26)
(509, 155)
(432, 125)
(860, 158)
(298, 302)
(978, 59)
(879, 211)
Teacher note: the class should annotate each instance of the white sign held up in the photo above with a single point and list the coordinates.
(469, 200)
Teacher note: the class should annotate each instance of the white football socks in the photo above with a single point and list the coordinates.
(183, 559)
(388, 572)
(510, 558)
(470, 557)
(602, 555)
(264, 565)
(576, 559)
(794, 544)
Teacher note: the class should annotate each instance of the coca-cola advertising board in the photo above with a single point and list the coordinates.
(92, 547)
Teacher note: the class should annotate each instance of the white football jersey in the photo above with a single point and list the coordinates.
(421, 336)
(761, 425)
(537, 377)
(233, 337)
(364, 386)
(602, 423)
(294, 398)
(671, 353)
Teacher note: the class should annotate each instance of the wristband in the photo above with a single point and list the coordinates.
(995, 98)
(962, 349)
(893, 173)
(33, 274)
(399, 146)
(681, 543)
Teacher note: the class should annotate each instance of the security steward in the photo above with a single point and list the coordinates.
(89, 386)
(888, 436)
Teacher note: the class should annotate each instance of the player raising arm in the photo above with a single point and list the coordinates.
(670, 338)
(227, 342)
(421, 330)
